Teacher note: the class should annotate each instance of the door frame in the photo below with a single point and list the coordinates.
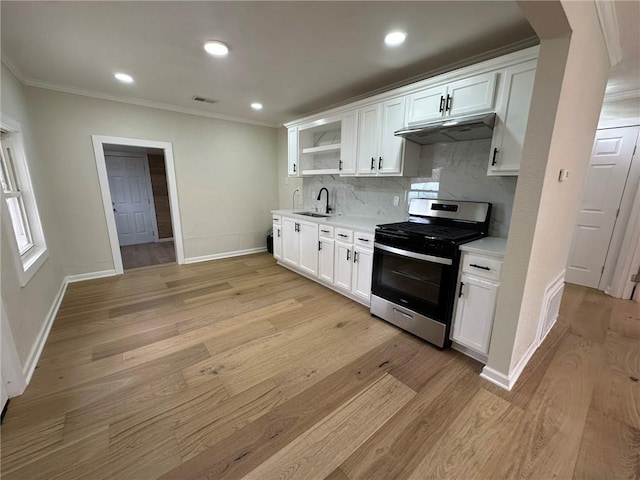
(152, 206)
(99, 141)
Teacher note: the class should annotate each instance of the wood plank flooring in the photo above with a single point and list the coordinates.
(239, 368)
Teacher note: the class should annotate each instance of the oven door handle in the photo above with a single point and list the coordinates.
(417, 256)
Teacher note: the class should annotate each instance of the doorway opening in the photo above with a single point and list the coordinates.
(137, 179)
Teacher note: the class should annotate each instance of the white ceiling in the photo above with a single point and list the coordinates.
(294, 57)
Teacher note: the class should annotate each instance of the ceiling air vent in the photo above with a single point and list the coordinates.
(198, 98)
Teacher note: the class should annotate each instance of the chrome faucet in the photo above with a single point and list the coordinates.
(327, 209)
(293, 201)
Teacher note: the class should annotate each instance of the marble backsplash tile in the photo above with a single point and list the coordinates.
(455, 171)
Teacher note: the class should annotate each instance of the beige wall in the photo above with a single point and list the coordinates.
(566, 103)
(225, 174)
(27, 307)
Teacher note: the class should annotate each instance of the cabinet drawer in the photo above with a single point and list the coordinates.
(344, 235)
(485, 267)
(326, 231)
(277, 219)
(363, 239)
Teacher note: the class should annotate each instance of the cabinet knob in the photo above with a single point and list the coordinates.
(493, 160)
(461, 287)
(340, 165)
(348, 254)
(441, 104)
(355, 257)
(447, 107)
(373, 162)
(294, 168)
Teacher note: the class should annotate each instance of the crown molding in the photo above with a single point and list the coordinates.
(12, 67)
(142, 103)
(610, 30)
(617, 97)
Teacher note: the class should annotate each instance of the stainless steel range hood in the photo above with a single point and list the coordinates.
(474, 127)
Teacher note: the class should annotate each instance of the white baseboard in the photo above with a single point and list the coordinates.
(81, 277)
(36, 351)
(508, 381)
(496, 377)
(218, 256)
(168, 239)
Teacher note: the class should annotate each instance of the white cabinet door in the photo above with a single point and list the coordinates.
(391, 147)
(516, 89)
(362, 271)
(290, 241)
(368, 139)
(471, 95)
(277, 241)
(349, 139)
(294, 165)
(326, 259)
(426, 105)
(308, 233)
(343, 265)
(474, 313)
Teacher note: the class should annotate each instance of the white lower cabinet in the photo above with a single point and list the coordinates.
(478, 284)
(337, 256)
(343, 265)
(474, 314)
(300, 244)
(362, 271)
(277, 241)
(325, 259)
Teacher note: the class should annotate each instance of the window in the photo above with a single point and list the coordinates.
(21, 212)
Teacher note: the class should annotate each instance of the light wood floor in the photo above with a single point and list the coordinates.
(147, 254)
(241, 369)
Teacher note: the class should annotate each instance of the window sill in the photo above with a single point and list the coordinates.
(30, 263)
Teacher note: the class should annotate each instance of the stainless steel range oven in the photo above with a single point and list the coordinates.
(415, 265)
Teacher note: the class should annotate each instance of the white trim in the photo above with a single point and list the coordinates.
(496, 377)
(610, 31)
(36, 350)
(218, 256)
(623, 221)
(619, 123)
(28, 263)
(549, 293)
(168, 239)
(621, 285)
(98, 150)
(143, 103)
(152, 201)
(508, 381)
(617, 97)
(81, 277)
(12, 67)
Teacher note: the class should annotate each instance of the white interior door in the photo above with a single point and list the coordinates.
(131, 198)
(608, 171)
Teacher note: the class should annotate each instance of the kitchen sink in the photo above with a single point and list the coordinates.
(313, 214)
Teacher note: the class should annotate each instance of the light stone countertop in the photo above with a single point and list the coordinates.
(363, 224)
(494, 246)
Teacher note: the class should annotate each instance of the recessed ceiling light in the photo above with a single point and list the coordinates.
(124, 78)
(216, 48)
(393, 39)
(256, 106)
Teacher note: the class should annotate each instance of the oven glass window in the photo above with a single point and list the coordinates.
(413, 278)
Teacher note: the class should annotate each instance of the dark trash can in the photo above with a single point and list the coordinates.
(270, 243)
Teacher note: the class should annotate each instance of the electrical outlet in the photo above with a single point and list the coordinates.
(396, 200)
(563, 175)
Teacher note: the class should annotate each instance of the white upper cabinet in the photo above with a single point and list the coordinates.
(349, 127)
(511, 120)
(293, 169)
(368, 139)
(380, 152)
(468, 96)
(391, 147)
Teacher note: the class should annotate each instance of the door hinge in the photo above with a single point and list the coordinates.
(617, 213)
(602, 270)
